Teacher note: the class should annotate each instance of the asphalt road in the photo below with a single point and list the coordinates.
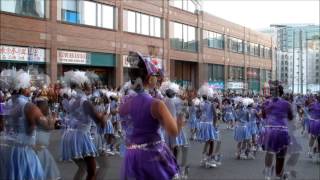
(231, 168)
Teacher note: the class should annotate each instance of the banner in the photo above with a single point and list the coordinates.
(235, 85)
(72, 57)
(16, 53)
(219, 85)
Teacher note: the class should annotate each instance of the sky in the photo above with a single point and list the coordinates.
(259, 14)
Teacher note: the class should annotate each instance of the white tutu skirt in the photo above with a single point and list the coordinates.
(109, 128)
(99, 142)
(193, 122)
(50, 168)
(253, 128)
(241, 133)
(206, 132)
(180, 140)
(77, 144)
(21, 163)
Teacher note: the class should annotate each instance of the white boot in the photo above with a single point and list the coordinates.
(267, 172)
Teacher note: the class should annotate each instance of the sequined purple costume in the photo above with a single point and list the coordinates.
(314, 119)
(276, 137)
(147, 157)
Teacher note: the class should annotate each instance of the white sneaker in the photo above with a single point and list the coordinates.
(210, 164)
(310, 154)
(316, 158)
(267, 172)
(110, 153)
(251, 156)
(243, 156)
(218, 159)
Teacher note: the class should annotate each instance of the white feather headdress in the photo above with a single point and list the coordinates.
(92, 76)
(75, 77)
(66, 91)
(196, 101)
(205, 90)
(247, 101)
(169, 85)
(7, 77)
(22, 80)
(237, 99)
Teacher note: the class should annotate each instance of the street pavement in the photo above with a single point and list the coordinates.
(231, 168)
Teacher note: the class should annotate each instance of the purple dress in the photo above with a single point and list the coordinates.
(276, 136)
(314, 119)
(146, 157)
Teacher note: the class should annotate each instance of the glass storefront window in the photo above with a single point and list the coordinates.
(87, 13)
(139, 23)
(235, 73)
(215, 72)
(33, 8)
(183, 37)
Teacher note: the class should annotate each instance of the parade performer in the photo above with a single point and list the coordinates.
(294, 148)
(51, 171)
(228, 113)
(195, 104)
(314, 126)
(98, 135)
(206, 127)
(18, 159)
(241, 132)
(97, 132)
(180, 143)
(146, 157)
(218, 141)
(253, 127)
(77, 144)
(276, 112)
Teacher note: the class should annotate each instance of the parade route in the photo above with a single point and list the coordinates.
(229, 170)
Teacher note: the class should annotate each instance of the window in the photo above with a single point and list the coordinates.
(139, 23)
(33, 8)
(215, 72)
(88, 13)
(183, 37)
(187, 5)
(236, 73)
(214, 40)
(131, 21)
(235, 45)
(261, 51)
(145, 25)
(252, 49)
(256, 50)
(247, 47)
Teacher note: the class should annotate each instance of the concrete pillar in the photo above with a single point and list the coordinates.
(53, 70)
(118, 45)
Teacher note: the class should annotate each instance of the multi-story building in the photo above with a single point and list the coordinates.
(191, 46)
(298, 51)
